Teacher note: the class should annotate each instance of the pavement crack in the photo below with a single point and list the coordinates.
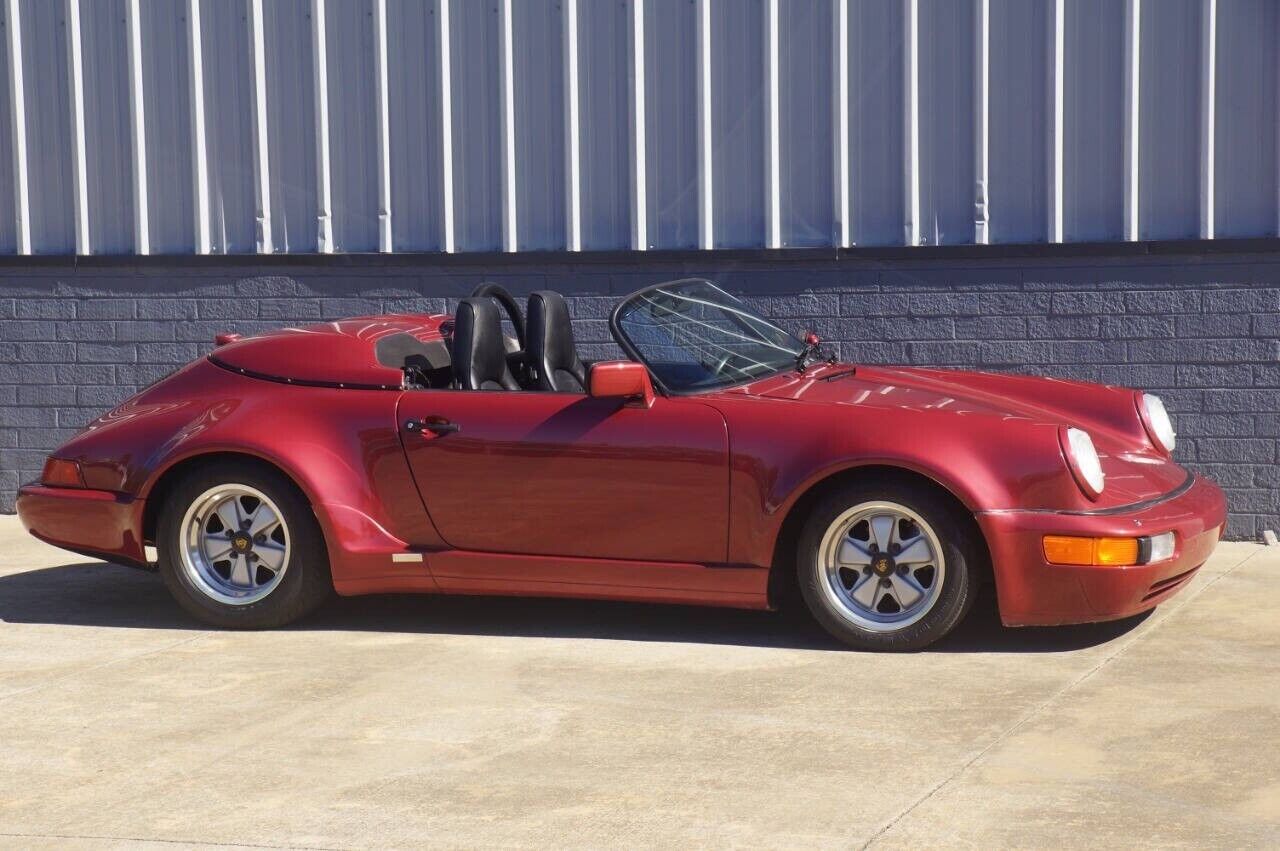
(107, 664)
(185, 843)
(1040, 708)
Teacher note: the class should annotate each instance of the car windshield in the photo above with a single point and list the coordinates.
(695, 336)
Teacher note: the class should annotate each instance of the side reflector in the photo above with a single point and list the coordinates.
(59, 472)
(1064, 549)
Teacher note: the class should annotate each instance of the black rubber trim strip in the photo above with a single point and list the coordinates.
(1105, 512)
(299, 382)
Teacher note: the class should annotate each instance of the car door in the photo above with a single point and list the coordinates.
(558, 474)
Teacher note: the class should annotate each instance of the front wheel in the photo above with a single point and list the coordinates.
(888, 567)
(240, 547)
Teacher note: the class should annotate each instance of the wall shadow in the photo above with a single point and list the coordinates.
(107, 595)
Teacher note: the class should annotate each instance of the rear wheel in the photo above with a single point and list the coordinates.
(239, 547)
(888, 567)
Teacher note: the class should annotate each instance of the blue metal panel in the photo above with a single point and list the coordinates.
(50, 187)
(805, 80)
(291, 124)
(946, 122)
(166, 95)
(1248, 34)
(106, 118)
(1094, 121)
(604, 125)
(1169, 121)
(413, 80)
(875, 121)
(8, 218)
(1017, 144)
(538, 64)
(737, 125)
(477, 175)
(228, 96)
(671, 122)
(353, 126)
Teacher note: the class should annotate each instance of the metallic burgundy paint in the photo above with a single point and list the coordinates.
(598, 496)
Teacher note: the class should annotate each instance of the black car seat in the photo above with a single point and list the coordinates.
(552, 354)
(479, 355)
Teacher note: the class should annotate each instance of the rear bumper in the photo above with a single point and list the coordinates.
(102, 524)
(1033, 592)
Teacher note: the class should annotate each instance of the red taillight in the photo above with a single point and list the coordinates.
(59, 472)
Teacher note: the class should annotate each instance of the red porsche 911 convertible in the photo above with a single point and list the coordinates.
(724, 463)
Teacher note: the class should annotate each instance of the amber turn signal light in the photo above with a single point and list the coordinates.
(1065, 549)
(62, 473)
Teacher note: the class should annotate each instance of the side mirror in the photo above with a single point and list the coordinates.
(620, 379)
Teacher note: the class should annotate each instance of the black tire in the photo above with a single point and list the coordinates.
(306, 582)
(961, 551)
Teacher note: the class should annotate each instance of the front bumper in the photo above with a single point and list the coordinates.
(102, 524)
(1033, 592)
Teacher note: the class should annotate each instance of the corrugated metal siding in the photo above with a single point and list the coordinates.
(1166, 182)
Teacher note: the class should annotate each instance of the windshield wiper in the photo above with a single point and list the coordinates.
(811, 352)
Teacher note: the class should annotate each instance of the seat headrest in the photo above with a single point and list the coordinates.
(479, 355)
(552, 352)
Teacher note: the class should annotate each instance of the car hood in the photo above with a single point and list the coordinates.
(1134, 468)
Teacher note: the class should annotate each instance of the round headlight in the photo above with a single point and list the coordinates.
(1082, 459)
(1155, 419)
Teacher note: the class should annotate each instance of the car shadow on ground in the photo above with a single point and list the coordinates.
(107, 595)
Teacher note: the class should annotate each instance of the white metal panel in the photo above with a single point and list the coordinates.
(636, 90)
(840, 120)
(671, 122)
(166, 90)
(572, 128)
(911, 120)
(107, 114)
(1093, 121)
(352, 126)
(199, 127)
(1056, 114)
(477, 173)
(413, 104)
(1132, 115)
(1208, 107)
(18, 126)
(228, 91)
(538, 88)
(75, 96)
(605, 146)
(507, 126)
(806, 129)
(772, 132)
(137, 128)
(1246, 186)
(981, 120)
(737, 81)
(876, 136)
(320, 93)
(383, 118)
(1169, 120)
(48, 130)
(1018, 123)
(264, 239)
(8, 204)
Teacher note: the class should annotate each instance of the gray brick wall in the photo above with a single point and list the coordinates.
(1202, 330)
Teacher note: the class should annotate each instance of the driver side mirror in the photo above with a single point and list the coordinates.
(620, 379)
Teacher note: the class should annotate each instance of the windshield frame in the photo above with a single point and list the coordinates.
(632, 353)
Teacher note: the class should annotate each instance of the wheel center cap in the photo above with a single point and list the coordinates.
(241, 543)
(882, 565)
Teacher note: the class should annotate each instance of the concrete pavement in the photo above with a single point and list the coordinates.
(401, 722)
